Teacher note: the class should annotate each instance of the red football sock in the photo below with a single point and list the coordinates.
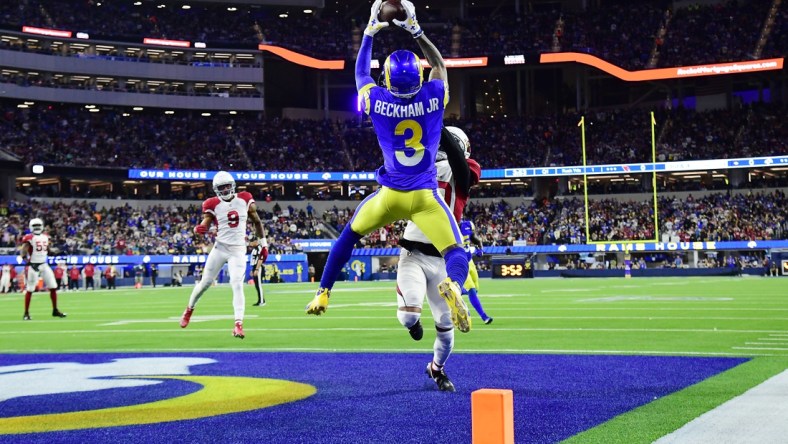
(28, 295)
(53, 296)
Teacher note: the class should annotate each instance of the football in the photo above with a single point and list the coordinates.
(390, 10)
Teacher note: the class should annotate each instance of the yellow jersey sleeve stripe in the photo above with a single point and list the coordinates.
(445, 94)
(365, 89)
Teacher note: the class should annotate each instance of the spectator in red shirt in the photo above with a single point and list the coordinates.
(73, 278)
(58, 271)
(90, 271)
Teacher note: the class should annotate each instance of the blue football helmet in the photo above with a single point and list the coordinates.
(403, 73)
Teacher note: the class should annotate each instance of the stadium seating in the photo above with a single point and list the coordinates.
(85, 228)
(57, 136)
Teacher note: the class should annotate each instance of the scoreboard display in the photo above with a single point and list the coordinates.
(505, 267)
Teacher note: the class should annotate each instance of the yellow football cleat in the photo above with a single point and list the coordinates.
(450, 291)
(319, 304)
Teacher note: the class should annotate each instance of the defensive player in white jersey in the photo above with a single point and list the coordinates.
(229, 211)
(35, 249)
(421, 265)
(5, 279)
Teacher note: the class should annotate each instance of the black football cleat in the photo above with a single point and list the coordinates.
(488, 321)
(416, 331)
(26, 317)
(440, 378)
(57, 314)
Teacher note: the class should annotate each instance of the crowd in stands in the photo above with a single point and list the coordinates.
(724, 32)
(619, 31)
(622, 32)
(714, 217)
(72, 136)
(83, 228)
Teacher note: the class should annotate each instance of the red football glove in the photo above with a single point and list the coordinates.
(264, 254)
(201, 229)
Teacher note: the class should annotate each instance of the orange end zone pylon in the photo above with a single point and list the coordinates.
(492, 416)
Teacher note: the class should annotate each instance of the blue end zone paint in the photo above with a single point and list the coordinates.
(366, 398)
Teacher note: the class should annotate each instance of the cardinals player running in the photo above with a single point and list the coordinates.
(421, 265)
(35, 248)
(229, 212)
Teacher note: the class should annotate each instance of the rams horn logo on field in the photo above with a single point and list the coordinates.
(218, 395)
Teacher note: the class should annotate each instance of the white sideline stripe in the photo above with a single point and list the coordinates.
(568, 290)
(773, 339)
(756, 416)
(760, 348)
(767, 343)
(177, 319)
(388, 350)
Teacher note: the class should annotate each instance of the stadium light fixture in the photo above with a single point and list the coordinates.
(283, 15)
(233, 112)
(169, 112)
(186, 7)
(22, 105)
(206, 114)
(38, 169)
(307, 11)
(137, 3)
(138, 108)
(94, 110)
(232, 8)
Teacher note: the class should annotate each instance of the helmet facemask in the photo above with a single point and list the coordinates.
(225, 191)
(37, 226)
(224, 186)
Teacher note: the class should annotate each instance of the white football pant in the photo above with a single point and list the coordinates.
(5, 283)
(43, 271)
(235, 258)
(419, 275)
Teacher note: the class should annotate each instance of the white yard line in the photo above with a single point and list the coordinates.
(757, 416)
(761, 348)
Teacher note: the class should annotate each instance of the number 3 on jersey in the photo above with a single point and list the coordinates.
(412, 143)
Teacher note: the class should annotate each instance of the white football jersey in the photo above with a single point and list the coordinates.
(230, 217)
(445, 191)
(40, 247)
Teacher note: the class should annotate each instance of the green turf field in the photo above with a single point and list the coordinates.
(684, 316)
(744, 317)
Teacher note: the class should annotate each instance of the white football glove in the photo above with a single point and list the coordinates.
(410, 24)
(374, 24)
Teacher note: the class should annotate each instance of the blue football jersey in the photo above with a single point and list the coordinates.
(466, 229)
(409, 132)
